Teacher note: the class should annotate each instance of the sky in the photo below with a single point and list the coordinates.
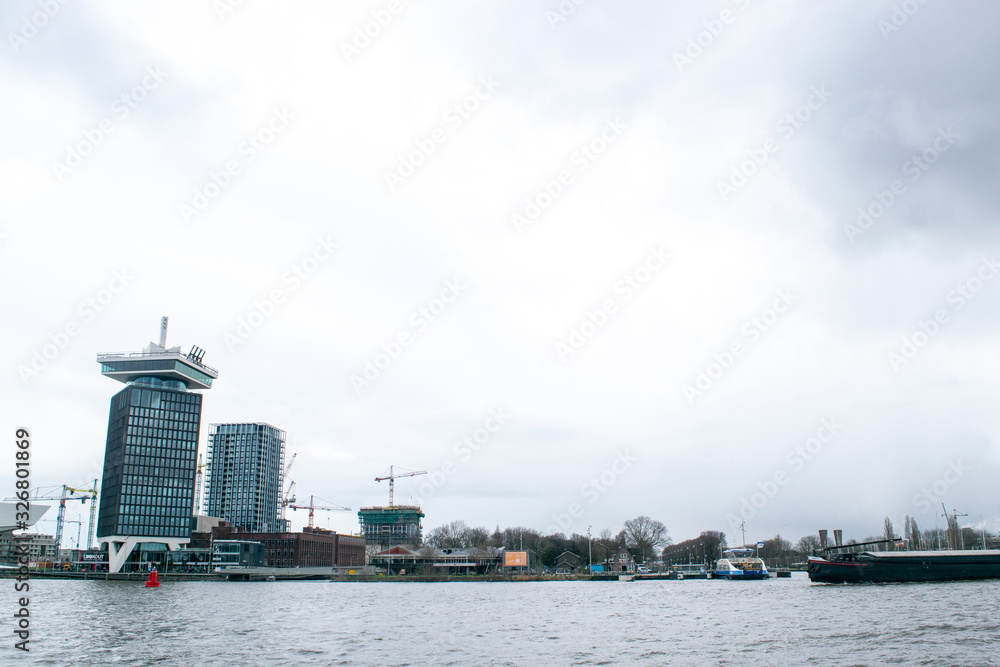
(707, 262)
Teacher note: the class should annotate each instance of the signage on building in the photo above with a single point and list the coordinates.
(94, 557)
(515, 559)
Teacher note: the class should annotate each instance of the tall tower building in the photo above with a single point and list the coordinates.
(245, 470)
(151, 455)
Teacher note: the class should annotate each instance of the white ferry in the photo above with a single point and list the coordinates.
(740, 564)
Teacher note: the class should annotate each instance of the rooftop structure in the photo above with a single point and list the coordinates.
(160, 362)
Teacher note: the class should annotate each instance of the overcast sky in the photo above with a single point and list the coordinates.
(648, 251)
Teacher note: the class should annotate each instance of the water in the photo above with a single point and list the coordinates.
(774, 622)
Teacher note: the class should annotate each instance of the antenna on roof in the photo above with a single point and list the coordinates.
(163, 331)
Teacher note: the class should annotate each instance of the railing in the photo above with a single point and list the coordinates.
(128, 355)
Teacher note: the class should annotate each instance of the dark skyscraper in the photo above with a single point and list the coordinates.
(245, 469)
(150, 460)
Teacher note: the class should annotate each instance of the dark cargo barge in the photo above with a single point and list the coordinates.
(898, 566)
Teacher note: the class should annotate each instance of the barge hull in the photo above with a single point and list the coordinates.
(887, 567)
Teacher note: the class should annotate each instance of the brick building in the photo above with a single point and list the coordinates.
(313, 547)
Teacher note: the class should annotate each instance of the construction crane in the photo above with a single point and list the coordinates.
(68, 493)
(198, 487)
(392, 479)
(93, 512)
(287, 498)
(312, 507)
(79, 529)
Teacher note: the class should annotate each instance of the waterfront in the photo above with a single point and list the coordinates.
(778, 621)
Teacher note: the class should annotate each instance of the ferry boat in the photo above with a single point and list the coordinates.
(740, 563)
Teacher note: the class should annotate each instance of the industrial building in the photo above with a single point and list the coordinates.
(313, 547)
(150, 458)
(245, 475)
(385, 527)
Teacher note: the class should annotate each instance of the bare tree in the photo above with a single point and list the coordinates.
(890, 534)
(645, 534)
(807, 545)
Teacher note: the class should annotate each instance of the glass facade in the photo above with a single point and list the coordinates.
(150, 461)
(244, 475)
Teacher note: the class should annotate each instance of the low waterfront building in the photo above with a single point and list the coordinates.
(568, 562)
(313, 547)
(245, 553)
(622, 561)
(431, 560)
(40, 548)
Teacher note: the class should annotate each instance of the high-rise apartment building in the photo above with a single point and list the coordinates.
(245, 475)
(150, 459)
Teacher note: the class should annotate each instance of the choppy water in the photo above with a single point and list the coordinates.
(775, 622)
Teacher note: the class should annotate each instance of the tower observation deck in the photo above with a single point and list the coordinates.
(160, 362)
(150, 460)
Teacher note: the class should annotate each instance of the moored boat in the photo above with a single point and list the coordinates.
(740, 564)
(899, 566)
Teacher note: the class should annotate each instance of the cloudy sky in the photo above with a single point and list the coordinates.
(578, 261)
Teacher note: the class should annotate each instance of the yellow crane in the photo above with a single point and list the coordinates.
(93, 511)
(68, 493)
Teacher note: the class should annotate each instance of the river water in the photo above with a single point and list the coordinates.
(773, 622)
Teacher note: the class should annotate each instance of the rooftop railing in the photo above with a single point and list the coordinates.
(129, 355)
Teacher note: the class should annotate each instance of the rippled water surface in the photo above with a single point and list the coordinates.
(774, 622)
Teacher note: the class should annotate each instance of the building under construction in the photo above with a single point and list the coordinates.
(389, 526)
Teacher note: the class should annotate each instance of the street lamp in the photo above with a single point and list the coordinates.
(590, 555)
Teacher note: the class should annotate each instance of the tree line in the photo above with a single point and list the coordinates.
(642, 535)
(648, 540)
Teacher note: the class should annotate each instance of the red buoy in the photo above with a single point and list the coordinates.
(153, 581)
